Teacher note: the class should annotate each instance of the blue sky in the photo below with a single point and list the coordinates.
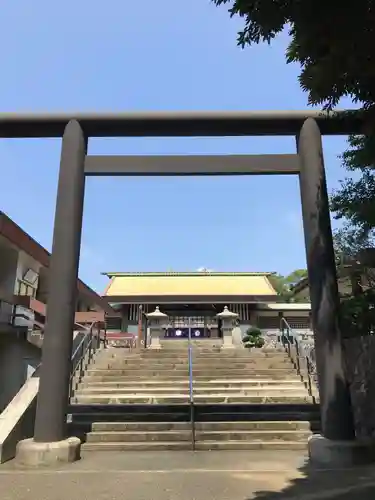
(162, 55)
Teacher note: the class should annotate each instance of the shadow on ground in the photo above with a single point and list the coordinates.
(224, 475)
(312, 483)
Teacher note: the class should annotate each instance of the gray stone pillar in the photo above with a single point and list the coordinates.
(337, 441)
(228, 319)
(50, 443)
(157, 322)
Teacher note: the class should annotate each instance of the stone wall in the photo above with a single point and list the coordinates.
(360, 359)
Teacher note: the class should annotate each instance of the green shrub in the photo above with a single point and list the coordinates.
(253, 337)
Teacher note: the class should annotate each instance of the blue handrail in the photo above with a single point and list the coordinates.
(190, 354)
(191, 392)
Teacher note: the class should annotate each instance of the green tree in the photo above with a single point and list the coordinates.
(334, 43)
(283, 284)
(354, 201)
(253, 337)
(348, 242)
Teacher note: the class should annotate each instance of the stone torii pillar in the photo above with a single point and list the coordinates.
(337, 445)
(51, 443)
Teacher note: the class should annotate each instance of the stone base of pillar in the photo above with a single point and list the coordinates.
(325, 453)
(33, 454)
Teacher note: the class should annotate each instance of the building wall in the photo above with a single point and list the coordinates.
(83, 304)
(248, 317)
(18, 360)
(24, 263)
(271, 319)
(359, 357)
(8, 272)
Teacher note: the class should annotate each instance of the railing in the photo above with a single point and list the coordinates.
(84, 353)
(304, 351)
(88, 345)
(191, 391)
(120, 340)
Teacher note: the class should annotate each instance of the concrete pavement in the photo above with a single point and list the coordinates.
(185, 475)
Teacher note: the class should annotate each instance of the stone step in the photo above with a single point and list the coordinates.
(202, 426)
(244, 354)
(201, 370)
(140, 426)
(138, 436)
(186, 435)
(245, 391)
(199, 360)
(273, 377)
(140, 446)
(166, 373)
(184, 398)
(235, 365)
(207, 352)
(201, 446)
(252, 435)
(250, 445)
(212, 384)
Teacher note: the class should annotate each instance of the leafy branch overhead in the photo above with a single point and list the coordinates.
(334, 43)
(284, 284)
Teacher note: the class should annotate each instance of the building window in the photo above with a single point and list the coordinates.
(299, 322)
(183, 321)
(268, 322)
(25, 288)
(113, 323)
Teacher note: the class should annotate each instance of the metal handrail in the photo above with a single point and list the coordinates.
(83, 354)
(75, 363)
(310, 364)
(191, 391)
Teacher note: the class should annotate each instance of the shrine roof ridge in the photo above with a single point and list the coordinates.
(185, 273)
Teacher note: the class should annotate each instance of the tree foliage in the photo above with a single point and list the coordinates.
(349, 242)
(354, 201)
(283, 284)
(334, 43)
(357, 307)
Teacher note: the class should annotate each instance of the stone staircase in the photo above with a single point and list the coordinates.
(242, 400)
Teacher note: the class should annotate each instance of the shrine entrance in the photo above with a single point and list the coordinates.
(306, 126)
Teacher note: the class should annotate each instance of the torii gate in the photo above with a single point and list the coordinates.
(76, 164)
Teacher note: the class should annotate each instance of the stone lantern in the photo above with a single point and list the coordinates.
(228, 319)
(157, 322)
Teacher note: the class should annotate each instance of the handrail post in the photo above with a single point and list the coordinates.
(191, 392)
(297, 356)
(309, 372)
(90, 342)
(309, 364)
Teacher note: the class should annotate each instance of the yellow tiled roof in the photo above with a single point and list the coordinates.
(199, 283)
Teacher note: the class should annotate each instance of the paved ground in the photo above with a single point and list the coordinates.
(187, 476)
